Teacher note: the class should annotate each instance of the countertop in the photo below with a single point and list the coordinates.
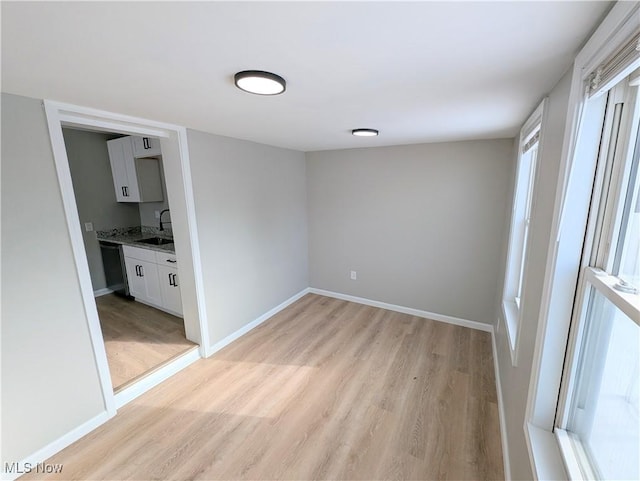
(133, 238)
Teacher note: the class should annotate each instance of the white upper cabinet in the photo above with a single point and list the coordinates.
(122, 167)
(146, 146)
(135, 180)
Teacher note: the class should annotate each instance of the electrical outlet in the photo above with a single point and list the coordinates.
(157, 214)
(88, 226)
(354, 275)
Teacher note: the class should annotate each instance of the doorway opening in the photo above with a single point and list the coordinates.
(128, 247)
(125, 218)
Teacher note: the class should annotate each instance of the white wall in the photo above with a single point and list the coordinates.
(515, 380)
(421, 225)
(95, 195)
(250, 202)
(49, 379)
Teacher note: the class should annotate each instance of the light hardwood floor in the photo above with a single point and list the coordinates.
(326, 389)
(138, 338)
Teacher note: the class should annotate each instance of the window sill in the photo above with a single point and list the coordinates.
(546, 459)
(571, 458)
(510, 313)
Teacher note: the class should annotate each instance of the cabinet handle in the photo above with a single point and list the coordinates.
(137, 272)
(145, 143)
(172, 261)
(170, 280)
(124, 193)
(175, 282)
(141, 272)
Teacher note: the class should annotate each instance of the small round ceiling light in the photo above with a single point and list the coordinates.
(259, 82)
(364, 132)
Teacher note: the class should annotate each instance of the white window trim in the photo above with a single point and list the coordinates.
(611, 179)
(511, 311)
(574, 458)
(571, 457)
(551, 337)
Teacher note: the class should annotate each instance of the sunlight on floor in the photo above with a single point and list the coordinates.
(245, 377)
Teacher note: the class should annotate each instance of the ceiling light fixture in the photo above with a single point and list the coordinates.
(259, 82)
(364, 132)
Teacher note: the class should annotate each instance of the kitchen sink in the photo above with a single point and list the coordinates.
(156, 241)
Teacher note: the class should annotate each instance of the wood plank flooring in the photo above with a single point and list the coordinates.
(326, 389)
(138, 338)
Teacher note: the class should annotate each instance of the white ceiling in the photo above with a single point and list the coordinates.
(417, 71)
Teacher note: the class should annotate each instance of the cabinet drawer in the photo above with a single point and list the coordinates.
(139, 253)
(166, 259)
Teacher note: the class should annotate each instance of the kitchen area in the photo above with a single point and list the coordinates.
(125, 219)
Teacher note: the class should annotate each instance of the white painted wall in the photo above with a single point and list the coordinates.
(49, 379)
(420, 224)
(250, 202)
(515, 380)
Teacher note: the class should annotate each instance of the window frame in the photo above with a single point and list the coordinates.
(615, 161)
(576, 460)
(517, 252)
(573, 194)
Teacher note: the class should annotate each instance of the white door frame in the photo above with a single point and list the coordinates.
(173, 139)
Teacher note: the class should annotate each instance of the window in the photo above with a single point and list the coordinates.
(520, 224)
(563, 437)
(597, 422)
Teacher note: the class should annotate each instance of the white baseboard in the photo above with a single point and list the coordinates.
(501, 413)
(481, 326)
(56, 446)
(255, 323)
(150, 381)
(102, 292)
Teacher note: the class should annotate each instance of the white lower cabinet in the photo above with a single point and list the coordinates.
(170, 287)
(143, 280)
(153, 278)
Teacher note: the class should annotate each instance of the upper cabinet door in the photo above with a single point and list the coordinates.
(123, 170)
(146, 146)
(135, 179)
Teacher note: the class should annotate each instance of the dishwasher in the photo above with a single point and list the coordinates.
(115, 271)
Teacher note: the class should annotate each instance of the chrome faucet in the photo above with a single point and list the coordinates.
(166, 222)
